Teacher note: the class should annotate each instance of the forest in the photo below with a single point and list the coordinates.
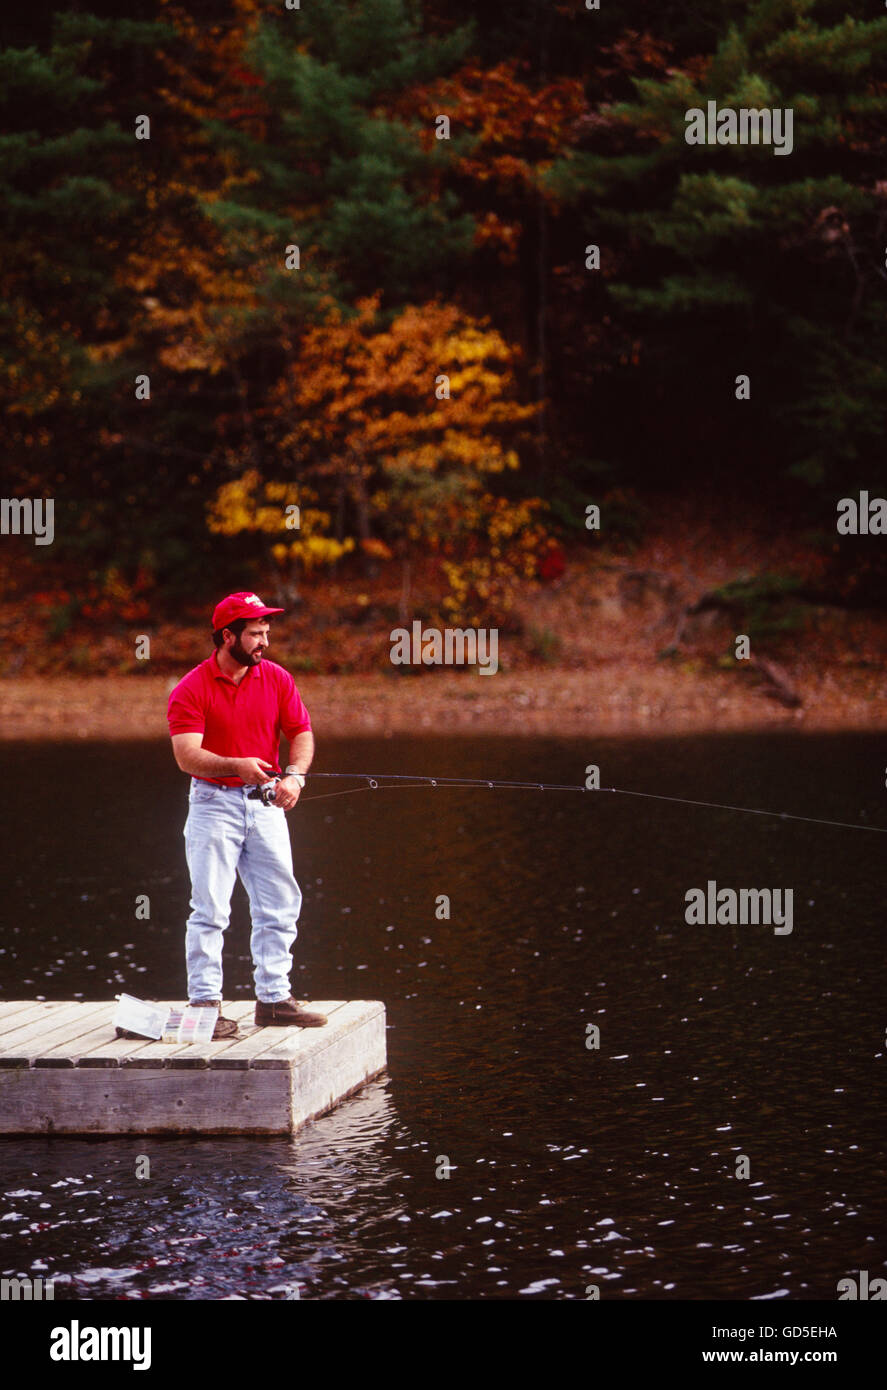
(429, 306)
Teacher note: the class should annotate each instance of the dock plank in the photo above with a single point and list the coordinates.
(286, 1045)
(8, 1007)
(254, 1042)
(68, 1053)
(128, 1052)
(79, 1035)
(32, 1012)
(59, 1022)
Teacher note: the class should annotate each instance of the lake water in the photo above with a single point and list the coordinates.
(568, 1166)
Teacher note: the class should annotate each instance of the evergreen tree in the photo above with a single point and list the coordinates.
(313, 156)
(77, 191)
(726, 259)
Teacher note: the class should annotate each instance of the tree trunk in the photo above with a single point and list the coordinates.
(362, 503)
(403, 609)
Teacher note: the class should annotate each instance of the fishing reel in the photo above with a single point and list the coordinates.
(265, 793)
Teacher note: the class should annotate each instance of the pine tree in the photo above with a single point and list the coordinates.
(77, 199)
(308, 153)
(718, 259)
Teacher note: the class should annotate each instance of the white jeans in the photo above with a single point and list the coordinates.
(225, 835)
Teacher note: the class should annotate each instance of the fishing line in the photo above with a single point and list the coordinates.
(411, 781)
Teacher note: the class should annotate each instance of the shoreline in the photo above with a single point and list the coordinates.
(622, 698)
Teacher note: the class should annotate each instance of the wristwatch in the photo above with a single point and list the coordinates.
(299, 776)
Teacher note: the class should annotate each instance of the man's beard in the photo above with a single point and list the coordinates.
(244, 658)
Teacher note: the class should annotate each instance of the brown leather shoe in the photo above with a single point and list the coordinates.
(225, 1027)
(287, 1012)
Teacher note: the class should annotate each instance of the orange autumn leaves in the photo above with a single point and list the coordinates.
(359, 390)
(359, 431)
(402, 423)
(511, 133)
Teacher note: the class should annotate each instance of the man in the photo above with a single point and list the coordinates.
(225, 718)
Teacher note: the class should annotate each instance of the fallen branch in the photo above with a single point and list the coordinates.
(783, 690)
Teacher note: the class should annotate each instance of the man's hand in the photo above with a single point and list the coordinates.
(253, 771)
(287, 794)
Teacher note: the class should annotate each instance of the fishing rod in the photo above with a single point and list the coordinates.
(389, 781)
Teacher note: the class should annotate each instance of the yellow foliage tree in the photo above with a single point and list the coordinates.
(402, 424)
(247, 504)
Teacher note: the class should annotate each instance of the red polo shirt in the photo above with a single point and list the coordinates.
(238, 721)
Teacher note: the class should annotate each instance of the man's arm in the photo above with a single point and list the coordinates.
(200, 762)
(301, 755)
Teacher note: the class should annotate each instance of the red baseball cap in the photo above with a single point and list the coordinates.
(240, 605)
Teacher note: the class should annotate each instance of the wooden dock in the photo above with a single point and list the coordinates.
(63, 1070)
